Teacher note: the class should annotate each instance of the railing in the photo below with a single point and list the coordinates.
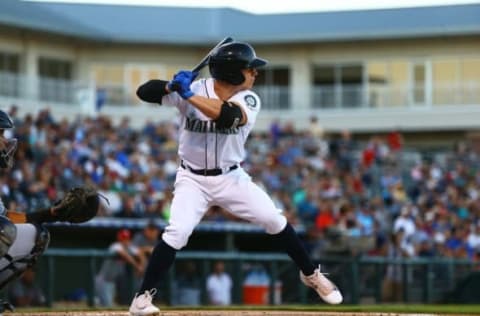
(10, 84)
(54, 90)
(336, 97)
(62, 91)
(382, 96)
(116, 94)
(450, 93)
(422, 280)
(273, 97)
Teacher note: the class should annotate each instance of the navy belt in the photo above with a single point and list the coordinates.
(208, 172)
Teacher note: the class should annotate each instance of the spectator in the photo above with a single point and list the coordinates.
(219, 285)
(125, 255)
(392, 287)
(315, 128)
(187, 286)
(133, 169)
(146, 239)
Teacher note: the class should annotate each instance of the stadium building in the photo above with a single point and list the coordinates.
(414, 70)
(410, 69)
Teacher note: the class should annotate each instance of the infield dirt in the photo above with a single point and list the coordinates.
(217, 313)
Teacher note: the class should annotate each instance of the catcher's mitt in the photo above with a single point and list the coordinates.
(77, 206)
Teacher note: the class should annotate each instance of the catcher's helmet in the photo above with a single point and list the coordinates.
(8, 234)
(229, 59)
(7, 147)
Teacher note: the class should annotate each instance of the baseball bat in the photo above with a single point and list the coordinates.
(204, 61)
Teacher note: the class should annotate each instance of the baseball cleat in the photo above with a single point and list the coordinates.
(324, 287)
(142, 304)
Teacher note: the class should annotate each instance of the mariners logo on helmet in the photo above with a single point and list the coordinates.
(229, 59)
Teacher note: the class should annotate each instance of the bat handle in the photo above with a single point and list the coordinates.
(174, 87)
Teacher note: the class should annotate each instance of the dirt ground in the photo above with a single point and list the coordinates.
(214, 313)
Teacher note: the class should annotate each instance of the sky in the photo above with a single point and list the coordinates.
(282, 6)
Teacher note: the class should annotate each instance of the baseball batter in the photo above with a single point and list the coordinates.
(217, 115)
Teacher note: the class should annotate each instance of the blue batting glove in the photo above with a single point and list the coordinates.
(184, 88)
(186, 94)
(181, 83)
(185, 75)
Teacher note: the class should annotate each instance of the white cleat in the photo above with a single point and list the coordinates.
(142, 304)
(324, 287)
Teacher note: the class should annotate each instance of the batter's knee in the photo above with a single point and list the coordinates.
(176, 237)
(274, 224)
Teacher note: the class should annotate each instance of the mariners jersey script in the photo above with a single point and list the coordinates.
(201, 144)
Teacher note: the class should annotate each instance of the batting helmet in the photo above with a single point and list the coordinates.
(229, 59)
(8, 234)
(6, 153)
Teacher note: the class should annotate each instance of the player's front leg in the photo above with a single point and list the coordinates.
(142, 304)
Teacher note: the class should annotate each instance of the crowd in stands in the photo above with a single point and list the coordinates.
(351, 196)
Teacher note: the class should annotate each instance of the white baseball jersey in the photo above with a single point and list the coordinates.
(201, 144)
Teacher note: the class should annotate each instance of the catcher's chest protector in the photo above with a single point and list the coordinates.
(30, 243)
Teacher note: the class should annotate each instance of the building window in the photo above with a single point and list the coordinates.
(445, 75)
(419, 83)
(338, 86)
(55, 69)
(109, 80)
(9, 63)
(456, 81)
(388, 83)
(9, 79)
(272, 85)
(378, 81)
(470, 78)
(398, 88)
(117, 84)
(56, 80)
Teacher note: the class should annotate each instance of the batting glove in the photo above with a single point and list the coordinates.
(181, 83)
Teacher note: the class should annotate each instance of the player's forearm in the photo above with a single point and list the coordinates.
(46, 215)
(17, 217)
(210, 107)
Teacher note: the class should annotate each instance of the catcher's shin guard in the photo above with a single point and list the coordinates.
(31, 242)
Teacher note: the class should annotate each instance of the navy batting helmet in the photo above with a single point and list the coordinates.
(10, 145)
(229, 59)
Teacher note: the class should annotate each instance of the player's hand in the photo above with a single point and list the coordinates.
(185, 75)
(79, 205)
(181, 83)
